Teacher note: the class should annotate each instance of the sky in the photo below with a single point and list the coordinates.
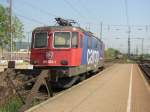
(90, 14)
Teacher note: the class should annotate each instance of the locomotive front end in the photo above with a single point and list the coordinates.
(54, 47)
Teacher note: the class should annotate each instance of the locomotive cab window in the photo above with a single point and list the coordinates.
(74, 39)
(89, 42)
(62, 40)
(81, 41)
(95, 43)
(40, 40)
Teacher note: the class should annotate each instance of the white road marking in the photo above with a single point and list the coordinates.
(130, 91)
(145, 82)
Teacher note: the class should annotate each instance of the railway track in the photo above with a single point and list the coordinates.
(145, 67)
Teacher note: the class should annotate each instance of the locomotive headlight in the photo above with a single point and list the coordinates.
(34, 62)
(49, 55)
(74, 29)
(64, 62)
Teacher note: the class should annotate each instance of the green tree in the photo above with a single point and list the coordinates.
(17, 28)
(111, 53)
(2, 21)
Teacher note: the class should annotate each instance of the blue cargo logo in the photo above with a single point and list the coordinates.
(92, 56)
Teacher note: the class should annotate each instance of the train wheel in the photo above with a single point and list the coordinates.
(67, 82)
(82, 77)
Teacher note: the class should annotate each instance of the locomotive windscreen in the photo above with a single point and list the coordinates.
(62, 40)
(40, 40)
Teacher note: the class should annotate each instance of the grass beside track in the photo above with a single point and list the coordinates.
(12, 106)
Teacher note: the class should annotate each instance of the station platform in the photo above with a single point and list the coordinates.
(119, 88)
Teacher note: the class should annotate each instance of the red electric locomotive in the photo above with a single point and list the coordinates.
(69, 52)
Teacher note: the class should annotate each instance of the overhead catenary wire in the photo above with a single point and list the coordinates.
(38, 8)
(89, 11)
(73, 8)
(52, 14)
(45, 12)
(28, 18)
(79, 13)
(85, 8)
(88, 24)
(33, 6)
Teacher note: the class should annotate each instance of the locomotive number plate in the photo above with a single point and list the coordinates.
(51, 61)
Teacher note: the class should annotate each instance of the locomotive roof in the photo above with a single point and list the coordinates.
(59, 28)
(64, 28)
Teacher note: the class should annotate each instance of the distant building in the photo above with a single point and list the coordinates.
(22, 46)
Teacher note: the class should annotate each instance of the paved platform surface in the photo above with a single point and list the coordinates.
(120, 88)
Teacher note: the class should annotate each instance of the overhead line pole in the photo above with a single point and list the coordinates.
(10, 19)
(101, 30)
(129, 42)
(129, 28)
(142, 47)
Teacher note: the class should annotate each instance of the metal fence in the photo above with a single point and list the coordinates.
(16, 56)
